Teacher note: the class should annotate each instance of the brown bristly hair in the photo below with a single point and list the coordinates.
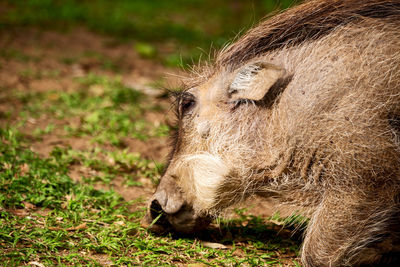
(308, 21)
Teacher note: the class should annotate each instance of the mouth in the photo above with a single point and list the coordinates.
(185, 221)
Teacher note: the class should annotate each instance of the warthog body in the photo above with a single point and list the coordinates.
(304, 108)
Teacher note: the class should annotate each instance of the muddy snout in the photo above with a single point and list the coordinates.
(169, 211)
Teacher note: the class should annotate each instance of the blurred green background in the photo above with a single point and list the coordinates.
(178, 30)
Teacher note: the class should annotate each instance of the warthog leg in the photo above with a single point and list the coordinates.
(351, 230)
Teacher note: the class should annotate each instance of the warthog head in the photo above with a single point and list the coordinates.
(304, 108)
(218, 150)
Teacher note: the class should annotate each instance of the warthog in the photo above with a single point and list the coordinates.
(304, 108)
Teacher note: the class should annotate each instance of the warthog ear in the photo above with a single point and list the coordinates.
(254, 81)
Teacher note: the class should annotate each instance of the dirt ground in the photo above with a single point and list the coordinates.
(46, 51)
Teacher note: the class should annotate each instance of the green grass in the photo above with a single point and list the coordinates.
(27, 180)
(189, 26)
(48, 218)
(110, 164)
(103, 108)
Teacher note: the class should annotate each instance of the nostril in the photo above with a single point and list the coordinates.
(156, 220)
(155, 212)
(161, 197)
(155, 209)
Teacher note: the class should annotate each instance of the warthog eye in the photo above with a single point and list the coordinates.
(186, 103)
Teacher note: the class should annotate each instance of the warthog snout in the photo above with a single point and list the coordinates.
(168, 196)
(168, 210)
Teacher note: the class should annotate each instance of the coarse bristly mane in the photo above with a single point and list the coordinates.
(308, 21)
